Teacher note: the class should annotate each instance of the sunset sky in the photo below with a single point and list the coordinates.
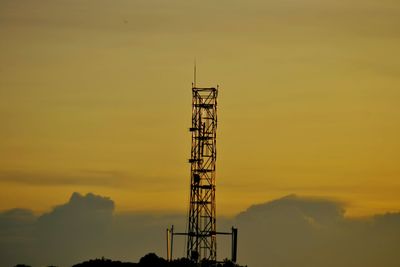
(95, 97)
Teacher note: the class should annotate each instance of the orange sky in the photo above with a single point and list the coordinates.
(95, 97)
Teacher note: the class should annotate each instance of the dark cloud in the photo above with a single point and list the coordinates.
(317, 210)
(291, 231)
(75, 230)
(17, 216)
(295, 231)
(17, 228)
(84, 227)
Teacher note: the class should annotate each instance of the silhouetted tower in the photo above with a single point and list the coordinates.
(202, 230)
(201, 243)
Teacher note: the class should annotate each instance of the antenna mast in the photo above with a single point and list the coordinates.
(202, 230)
(194, 74)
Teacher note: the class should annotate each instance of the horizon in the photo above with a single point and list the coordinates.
(223, 216)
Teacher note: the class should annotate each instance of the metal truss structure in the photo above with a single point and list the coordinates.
(202, 230)
(201, 243)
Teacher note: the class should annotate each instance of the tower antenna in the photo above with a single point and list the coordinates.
(194, 73)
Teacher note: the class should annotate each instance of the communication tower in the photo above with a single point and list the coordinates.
(202, 231)
(202, 243)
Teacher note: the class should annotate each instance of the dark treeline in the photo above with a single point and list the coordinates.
(149, 260)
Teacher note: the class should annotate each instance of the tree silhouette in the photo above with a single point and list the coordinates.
(150, 260)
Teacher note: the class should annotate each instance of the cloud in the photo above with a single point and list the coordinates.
(84, 227)
(109, 179)
(75, 230)
(296, 231)
(16, 226)
(16, 236)
(290, 231)
(85, 177)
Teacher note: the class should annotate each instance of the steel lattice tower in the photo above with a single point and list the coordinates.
(201, 231)
(201, 243)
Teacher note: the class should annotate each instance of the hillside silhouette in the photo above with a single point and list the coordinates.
(152, 260)
(149, 260)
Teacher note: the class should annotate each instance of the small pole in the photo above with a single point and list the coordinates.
(234, 244)
(168, 243)
(172, 241)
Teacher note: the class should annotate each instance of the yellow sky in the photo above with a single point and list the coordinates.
(95, 97)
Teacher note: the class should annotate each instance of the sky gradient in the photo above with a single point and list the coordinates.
(95, 97)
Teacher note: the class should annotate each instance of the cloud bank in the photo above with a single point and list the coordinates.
(84, 227)
(291, 231)
(295, 231)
